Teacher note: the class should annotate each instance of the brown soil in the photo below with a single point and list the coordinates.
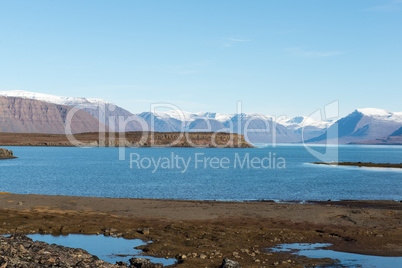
(214, 230)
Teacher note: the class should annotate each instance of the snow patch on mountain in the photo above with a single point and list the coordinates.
(374, 112)
(189, 117)
(305, 121)
(69, 101)
(362, 124)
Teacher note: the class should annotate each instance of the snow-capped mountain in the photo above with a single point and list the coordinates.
(306, 121)
(305, 127)
(364, 125)
(189, 117)
(361, 125)
(161, 122)
(257, 128)
(68, 101)
(21, 115)
(106, 112)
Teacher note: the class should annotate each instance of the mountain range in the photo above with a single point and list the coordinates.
(30, 112)
(20, 115)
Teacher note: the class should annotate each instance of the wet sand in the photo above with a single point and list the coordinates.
(208, 231)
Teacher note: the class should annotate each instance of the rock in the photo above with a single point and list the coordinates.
(6, 154)
(143, 263)
(202, 256)
(22, 249)
(109, 230)
(227, 263)
(182, 257)
(144, 231)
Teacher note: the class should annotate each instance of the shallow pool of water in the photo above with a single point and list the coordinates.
(109, 249)
(318, 251)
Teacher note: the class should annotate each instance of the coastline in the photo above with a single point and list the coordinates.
(180, 227)
(127, 139)
(6, 154)
(361, 164)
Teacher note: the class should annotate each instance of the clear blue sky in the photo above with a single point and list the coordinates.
(278, 57)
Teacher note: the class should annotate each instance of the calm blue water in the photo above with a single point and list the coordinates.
(99, 172)
(345, 259)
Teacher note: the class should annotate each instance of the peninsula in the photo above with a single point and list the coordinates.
(127, 139)
(361, 164)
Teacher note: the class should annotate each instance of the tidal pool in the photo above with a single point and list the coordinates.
(110, 249)
(318, 251)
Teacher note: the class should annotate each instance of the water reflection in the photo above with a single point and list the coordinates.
(345, 259)
(109, 249)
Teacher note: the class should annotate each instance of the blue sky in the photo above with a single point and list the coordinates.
(278, 57)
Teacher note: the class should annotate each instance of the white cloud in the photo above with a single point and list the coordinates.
(312, 54)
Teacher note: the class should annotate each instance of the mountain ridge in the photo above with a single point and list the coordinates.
(363, 124)
(19, 115)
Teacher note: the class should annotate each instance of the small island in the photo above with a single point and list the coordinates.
(6, 154)
(361, 164)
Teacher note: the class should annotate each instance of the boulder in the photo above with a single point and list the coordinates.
(143, 263)
(6, 154)
(227, 263)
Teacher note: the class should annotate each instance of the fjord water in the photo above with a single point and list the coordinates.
(99, 172)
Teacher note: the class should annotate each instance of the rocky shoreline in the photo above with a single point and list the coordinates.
(19, 250)
(6, 154)
(203, 233)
